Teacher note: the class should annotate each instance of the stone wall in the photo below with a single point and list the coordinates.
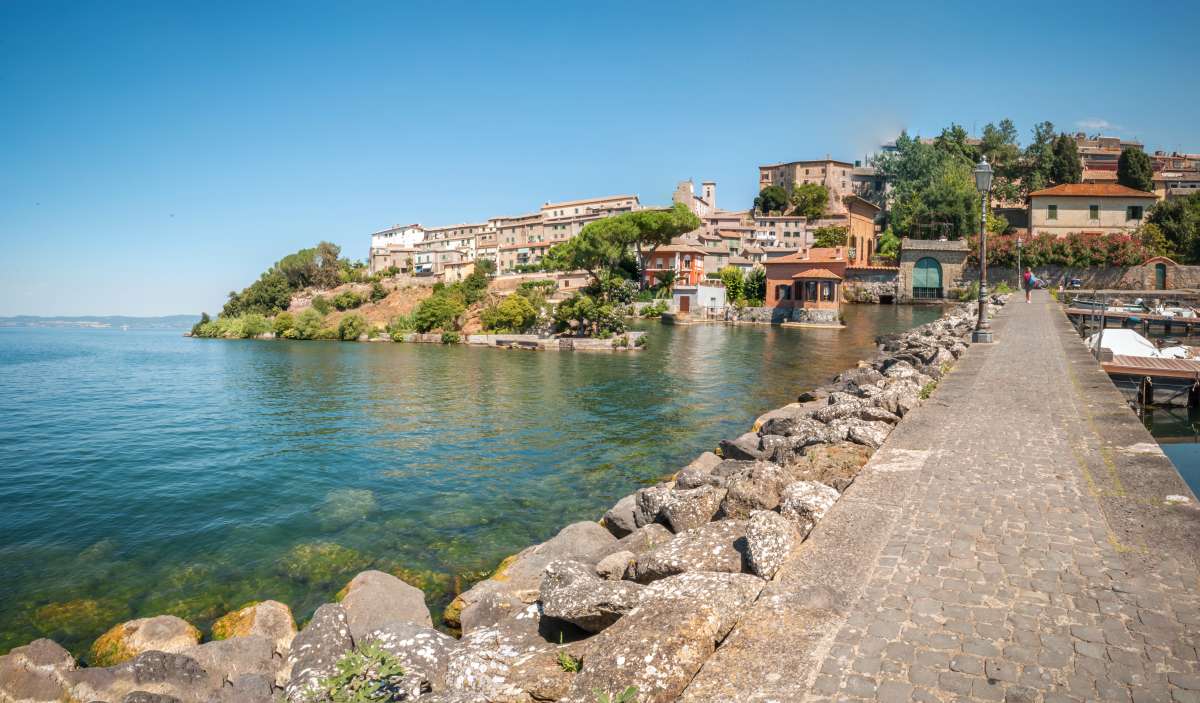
(1129, 278)
(870, 286)
(776, 316)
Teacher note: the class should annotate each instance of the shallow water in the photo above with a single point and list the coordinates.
(144, 473)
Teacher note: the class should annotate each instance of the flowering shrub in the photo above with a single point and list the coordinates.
(1076, 250)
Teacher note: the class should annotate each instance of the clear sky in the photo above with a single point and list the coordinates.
(155, 155)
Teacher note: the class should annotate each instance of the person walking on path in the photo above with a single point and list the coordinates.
(1028, 279)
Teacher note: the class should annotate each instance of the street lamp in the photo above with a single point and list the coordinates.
(983, 183)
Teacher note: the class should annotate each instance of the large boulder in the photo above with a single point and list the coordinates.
(656, 650)
(316, 651)
(899, 398)
(744, 447)
(422, 651)
(164, 633)
(36, 672)
(621, 519)
(373, 599)
(832, 464)
(804, 503)
(649, 503)
(514, 585)
(643, 539)
(245, 689)
(755, 489)
(269, 618)
(869, 434)
(486, 659)
(770, 538)
(614, 566)
(716, 546)
(698, 473)
(162, 673)
(686, 509)
(571, 591)
(229, 660)
(729, 594)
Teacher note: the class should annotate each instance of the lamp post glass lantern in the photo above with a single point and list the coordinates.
(983, 183)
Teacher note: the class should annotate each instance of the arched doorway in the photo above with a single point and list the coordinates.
(1160, 276)
(927, 279)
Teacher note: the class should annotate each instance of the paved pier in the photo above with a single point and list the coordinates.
(1015, 539)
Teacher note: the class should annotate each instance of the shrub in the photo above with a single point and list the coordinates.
(401, 324)
(204, 320)
(347, 300)
(513, 314)
(284, 321)
(970, 293)
(328, 333)
(290, 333)
(378, 292)
(438, 312)
(309, 323)
(451, 338)
(655, 309)
(1002, 288)
(254, 324)
(321, 305)
(364, 675)
(351, 327)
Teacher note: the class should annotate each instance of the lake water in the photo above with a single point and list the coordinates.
(144, 473)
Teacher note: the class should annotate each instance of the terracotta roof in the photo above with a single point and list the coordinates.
(568, 203)
(820, 255)
(818, 273)
(872, 267)
(736, 260)
(673, 248)
(1094, 175)
(1093, 190)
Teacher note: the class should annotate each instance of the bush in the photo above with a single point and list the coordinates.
(204, 320)
(348, 300)
(1002, 288)
(401, 324)
(327, 333)
(364, 675)
(321, 305)
(655, 309)
(290, 333)
(438, 312)
(284, 321)
(378, 292)
(451, 338)
(351, 328)
(309, 324)
(513, 314)
(254, 324)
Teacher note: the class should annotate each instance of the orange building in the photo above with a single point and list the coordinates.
(810, 279)
(686, 260)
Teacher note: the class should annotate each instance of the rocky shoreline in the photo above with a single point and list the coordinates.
(639, 599)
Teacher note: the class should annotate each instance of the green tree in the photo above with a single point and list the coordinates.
(1134, 170)
(1179, 222)
(809, 200)
(204, 320)
(351, 327)
(771, 199)
(284, 321)
(322, 304)
(604, 246)
(1038, 164)
(889, 246)
(756, 285)
(930, 186)
(347, 300)
(830, 236)
(254, 324)
(438, 312)
(513, 314)
(953, 142)
(735, 283)
(1065, 166)
(309, 323)
(1152, 237)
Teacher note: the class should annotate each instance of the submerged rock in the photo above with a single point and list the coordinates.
(373, 599)
(571, 591)
(321, 563)
(345, 506)
(164, 633)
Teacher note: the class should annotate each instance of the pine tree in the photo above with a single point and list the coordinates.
(1134, 170)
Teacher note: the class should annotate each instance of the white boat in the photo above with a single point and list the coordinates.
(1130, 343)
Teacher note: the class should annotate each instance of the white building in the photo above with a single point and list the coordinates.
(403, 236)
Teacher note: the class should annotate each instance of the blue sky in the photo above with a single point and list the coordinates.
(158, 154)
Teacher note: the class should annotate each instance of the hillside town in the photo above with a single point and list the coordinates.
(822, 231)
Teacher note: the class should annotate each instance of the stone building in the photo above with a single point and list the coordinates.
(930, 268)
(704, 205)
(1100, 208)
(836, 176)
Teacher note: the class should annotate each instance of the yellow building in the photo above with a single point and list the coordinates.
(1104, 208)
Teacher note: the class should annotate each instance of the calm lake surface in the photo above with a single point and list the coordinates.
(144, 473)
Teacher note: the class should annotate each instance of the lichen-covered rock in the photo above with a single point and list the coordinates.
(245, 689)
(657, 650)
(770, 538)
(729, 594)
(614, 566)
(571, 591)
(35, 672)
(422, 651)
(744, 447)
(643, 539)
(698, 473)
(269, 618)
(899, 398)
(373, 599)
(871, 413)
(900, 369)
(316, 651)
(804, 503)
(649, 502)
(230, 659)
(156, 672)
(515, 583)
(164, 633)
(485, 659)
(146, 697)
(831, 464)
(756, 489)
(869, 434)
(716, 546)
(849, 407)
(686, 509)
(621, 518)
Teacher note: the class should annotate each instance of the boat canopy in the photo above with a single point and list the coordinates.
(1130, 343)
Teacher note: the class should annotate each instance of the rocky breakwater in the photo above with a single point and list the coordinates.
(640, 599)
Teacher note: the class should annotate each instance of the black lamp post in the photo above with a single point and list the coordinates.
(983, 183)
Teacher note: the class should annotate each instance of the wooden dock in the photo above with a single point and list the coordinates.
(1113, 318)
(1156, 380)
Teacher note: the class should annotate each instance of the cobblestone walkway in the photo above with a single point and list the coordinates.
(1009, 573)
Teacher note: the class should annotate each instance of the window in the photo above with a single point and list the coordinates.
(783, 292)
(1133, 212)
(1093, 212)
(1051, 212)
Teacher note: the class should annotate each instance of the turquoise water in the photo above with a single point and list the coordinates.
(1178, 433)
(145, 473)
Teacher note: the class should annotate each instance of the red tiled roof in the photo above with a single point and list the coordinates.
(1093, 190)
(823, 255)
(818, 273)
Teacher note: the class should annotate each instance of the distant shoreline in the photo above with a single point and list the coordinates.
(164, 322)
